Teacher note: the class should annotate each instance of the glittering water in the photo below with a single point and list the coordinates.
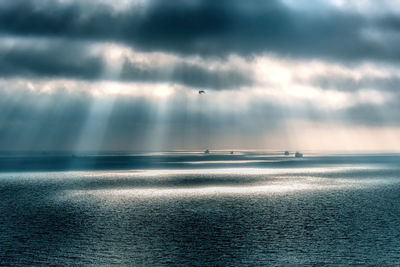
(313, 212)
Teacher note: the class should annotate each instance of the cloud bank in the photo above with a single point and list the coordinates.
(124, 75)
(214, 28)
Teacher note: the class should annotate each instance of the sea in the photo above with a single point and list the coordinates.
(188, 208)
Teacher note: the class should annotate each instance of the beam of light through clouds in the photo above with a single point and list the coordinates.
(125, 75)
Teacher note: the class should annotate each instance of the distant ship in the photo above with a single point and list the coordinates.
(298, 155)
(286, 153)
(207, 151)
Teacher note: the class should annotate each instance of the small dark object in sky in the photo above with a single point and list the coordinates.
(201, 92)
(298, 155)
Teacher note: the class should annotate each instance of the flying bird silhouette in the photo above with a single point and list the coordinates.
(201, 92)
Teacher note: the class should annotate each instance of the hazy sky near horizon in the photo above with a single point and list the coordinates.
(125, 75)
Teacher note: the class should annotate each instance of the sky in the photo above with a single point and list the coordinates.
(99, 75)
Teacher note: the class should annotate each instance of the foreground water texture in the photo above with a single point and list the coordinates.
(246, 209)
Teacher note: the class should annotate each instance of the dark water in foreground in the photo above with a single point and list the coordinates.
(269, 211)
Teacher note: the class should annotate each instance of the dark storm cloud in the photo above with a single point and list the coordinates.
(390, 23)
(207, 27)
(189, 75)
(56, 60)
(59, 59)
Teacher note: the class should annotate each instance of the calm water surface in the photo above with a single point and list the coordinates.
(319, 212)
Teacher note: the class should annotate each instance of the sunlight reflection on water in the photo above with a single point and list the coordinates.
(335, 215)
(293, 180)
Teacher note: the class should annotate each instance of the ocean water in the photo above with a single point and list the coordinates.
(189, 209)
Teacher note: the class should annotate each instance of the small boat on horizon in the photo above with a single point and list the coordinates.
(298, 155)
